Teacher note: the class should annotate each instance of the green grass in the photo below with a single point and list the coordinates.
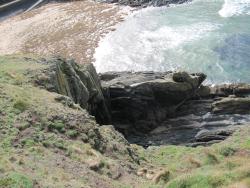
(219, 165)
(34, 134)
(16, 180)
(31, 137)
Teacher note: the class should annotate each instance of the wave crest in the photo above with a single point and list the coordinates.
(235, 8)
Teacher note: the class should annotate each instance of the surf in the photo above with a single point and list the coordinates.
(201, 36)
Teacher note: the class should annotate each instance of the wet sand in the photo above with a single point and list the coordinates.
(71, 29)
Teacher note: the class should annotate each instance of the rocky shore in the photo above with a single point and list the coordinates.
(64, 125)
(145, 3)
(54, 133)
(153, 108)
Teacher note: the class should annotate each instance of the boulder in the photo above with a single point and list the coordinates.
(79, 82)
(145, 3)
(140, 100)
(232, 105)
(211, 135)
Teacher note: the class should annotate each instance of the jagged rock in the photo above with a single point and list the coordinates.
(141, 100)
(67, 101)
(116, 144)
(79, 82)
(207, 143)
(241, 89)
(203, 92)
(232, 105)
(209, 135)
(172, 106)
(95, 165)
(144, 3)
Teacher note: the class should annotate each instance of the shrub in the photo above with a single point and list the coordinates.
(227, 151)
(59, 143)
(72, 133)
(57, 125)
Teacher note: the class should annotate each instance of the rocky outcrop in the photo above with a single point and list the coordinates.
(140, 101)
(232, 105)
(209, 117)
(79, 82)
(239, 90)
(150, 108)
(145, 3)
(207, 135)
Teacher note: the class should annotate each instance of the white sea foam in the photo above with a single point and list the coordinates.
(188, 37)
(145, 47)
(234, 8)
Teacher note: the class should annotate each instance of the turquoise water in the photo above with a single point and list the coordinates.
(202, 36)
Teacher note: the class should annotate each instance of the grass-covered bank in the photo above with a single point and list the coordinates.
(49, 143)
(221, 165)
(46, 143)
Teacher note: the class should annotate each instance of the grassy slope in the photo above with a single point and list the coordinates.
(226, 164)
(30, 155)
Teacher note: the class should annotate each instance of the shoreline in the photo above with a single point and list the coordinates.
(73, 36)
(64, 125)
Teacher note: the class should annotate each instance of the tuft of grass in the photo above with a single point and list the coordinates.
(196, 181)
(57, 125)
(72, 133)
(16, 180)
(246, 144)
(21, 105)
(211, 158)
(28, 142)
(227, 151)
(194, 162)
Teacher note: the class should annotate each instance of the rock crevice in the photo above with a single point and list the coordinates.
(140, 101)
(79, 82)
(153, 108)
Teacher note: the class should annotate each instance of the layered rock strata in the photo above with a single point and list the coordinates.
(79, 82)
(174, 108)
(145, 3)
(152, 108)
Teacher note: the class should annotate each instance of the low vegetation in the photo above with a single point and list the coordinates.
(45, 143)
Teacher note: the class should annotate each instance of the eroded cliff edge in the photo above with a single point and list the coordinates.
(152, 108)
(48, 140)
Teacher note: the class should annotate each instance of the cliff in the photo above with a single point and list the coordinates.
(50, 137)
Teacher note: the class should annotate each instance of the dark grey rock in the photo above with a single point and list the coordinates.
(209, 135)
(144, 99)
(145, 3)
(240, 90)
(150, 108)
(79, 82)
(232, 105)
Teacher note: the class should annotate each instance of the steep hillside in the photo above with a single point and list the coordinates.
(49, 141)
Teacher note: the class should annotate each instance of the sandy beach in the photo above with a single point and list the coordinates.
(47, 31)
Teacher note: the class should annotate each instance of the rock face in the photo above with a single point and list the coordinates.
(151, 108)
(80, 83)
(232, 105)
(209, 117)
(206, 135)
(239, 90)
(145, 3)
(140, 101)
